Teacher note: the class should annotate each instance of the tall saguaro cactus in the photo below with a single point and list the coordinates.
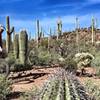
(1, 31)
(77, 33)
(9, 32)
(93, 26)
(23, 45)
(38, 31)
(59, 27)
(16, 46)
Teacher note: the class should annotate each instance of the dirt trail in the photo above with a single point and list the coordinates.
(28, 79)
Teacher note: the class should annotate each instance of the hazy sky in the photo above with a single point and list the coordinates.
(23, 13)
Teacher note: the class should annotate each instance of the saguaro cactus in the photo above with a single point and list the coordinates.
(93, 26)
(62, 86)
(38, 28)
(23, 45)
(77, 33)
(16, 46)
(59, 27)
(38, 31)
(1, 31)
(9, 32)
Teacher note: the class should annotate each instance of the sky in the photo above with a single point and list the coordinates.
(24, 13)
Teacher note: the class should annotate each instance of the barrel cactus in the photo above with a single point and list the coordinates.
(16, 46)
(23, 45)
(62, 86)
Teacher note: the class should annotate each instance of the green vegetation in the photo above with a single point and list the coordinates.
(93, 89)
(5, 87)
(72, 51)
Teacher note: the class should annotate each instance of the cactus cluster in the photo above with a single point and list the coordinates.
(21, 46)
(62, 86)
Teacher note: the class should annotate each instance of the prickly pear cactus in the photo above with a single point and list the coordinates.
(16, 46)
(23, 45)
(62, 86)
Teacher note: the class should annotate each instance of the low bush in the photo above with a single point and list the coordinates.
(93, 89)
(96, 61)
(70, 65)
(43, 57)
(5, 87)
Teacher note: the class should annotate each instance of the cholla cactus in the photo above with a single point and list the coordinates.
(62, 86)
(9, 32)
(23, 43)
(83, 59)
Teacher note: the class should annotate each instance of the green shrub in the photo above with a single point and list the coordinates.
(96, 61)
(41, 56)
(70, 65)
(93, 89)
(5, 87)
(98, 71)
(3, 54)
(44, 58)
(33, 56)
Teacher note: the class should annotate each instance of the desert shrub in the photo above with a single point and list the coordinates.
(98, 72)
(41, 56)
(18, 66)
(83, 59)
(44, 58)
(44, 43)
(49, 58)
(5, 87)
(96, 60)
(93, 89)
(4, 68)
(3, 54)
(70, 65)
(33, 56)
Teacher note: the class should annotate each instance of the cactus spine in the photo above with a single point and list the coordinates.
(23, 44)
(1, 31)
(9, 32)
(16, 46)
